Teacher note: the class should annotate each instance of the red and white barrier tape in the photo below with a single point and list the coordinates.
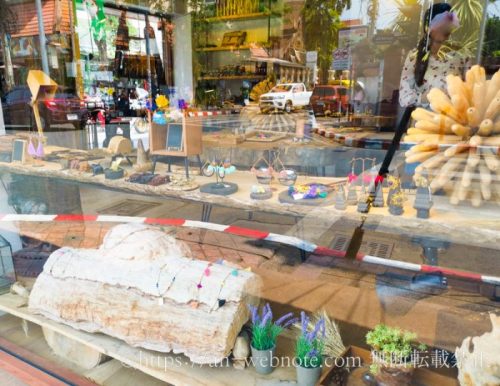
(259, 235)
(199, 114)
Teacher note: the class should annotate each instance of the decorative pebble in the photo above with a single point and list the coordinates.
(199, 285)
(234, 272)
(221, 302)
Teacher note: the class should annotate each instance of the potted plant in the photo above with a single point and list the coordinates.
(264, 335)
(309, 351)
(392, 355)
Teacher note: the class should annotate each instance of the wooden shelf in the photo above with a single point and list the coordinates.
(228, 48)
(248, 16)
(233, 77)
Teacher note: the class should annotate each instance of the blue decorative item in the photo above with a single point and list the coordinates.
(159, 118)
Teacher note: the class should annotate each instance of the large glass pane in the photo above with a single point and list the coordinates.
(164, 161)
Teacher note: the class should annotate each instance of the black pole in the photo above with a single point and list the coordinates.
(401, 128)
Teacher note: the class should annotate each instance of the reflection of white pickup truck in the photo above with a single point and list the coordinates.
(285, 96)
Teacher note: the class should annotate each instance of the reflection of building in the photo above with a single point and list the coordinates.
(243, 46)
(115, 48)
(24, 39)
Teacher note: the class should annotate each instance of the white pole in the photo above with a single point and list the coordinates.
(2, 124)
(43, 40)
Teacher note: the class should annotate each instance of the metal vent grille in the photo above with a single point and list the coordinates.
(128, 207)
(369, 246)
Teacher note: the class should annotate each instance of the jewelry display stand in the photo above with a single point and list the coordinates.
(220, 169)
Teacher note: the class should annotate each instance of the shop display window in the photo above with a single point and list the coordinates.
(313, 185)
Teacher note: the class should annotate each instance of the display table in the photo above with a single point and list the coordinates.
(475, 226)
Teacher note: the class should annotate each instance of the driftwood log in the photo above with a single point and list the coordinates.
(478, 358)
(141, 286)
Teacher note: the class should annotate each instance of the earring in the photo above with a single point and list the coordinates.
(39, 149)
(351, 177)
(31, 148)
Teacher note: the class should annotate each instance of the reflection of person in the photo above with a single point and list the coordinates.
(22, 47)
(426, 67)
(358, 97)
(93, 92)
(123, 103)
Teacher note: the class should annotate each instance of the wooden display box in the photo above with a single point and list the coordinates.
(421, 376)
(179, 139)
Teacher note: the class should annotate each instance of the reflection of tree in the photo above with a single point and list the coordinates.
(407, 21)
(7, 20)
(491, 38)
(200, 28)
(321, 26)
(470, 13)
(7, 17)
(373, 8)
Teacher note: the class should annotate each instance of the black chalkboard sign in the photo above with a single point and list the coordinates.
(174, 137)
(19, 147)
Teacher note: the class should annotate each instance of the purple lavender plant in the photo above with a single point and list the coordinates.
(310, 344)
(264, 331)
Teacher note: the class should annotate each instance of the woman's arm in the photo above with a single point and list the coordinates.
(408, 90)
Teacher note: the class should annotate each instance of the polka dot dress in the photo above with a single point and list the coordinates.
(435, 76)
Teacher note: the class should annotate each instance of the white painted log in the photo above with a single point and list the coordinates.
(84, 356)
(478, 358)
(139, 286)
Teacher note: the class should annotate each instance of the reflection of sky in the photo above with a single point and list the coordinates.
(388, 11)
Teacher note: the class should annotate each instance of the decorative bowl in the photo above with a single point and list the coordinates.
(264, 175)
(260, 192)
(287, 177)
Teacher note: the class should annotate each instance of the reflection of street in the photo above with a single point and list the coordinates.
(250, 119)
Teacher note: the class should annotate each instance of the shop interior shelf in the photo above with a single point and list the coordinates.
(227, 48)
(248, 16)
(236, 77)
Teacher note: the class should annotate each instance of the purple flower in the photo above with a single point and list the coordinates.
(255, 314)
(319, 327)
(281, 320)
(290, 322)
(267, 310)
(304, 321)
(323, 328)
(266, 318)
(313, 353)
